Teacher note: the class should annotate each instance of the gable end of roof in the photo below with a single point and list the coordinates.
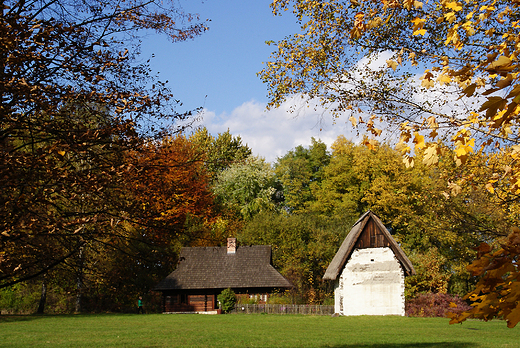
(347, 247)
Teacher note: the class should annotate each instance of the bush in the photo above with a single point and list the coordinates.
(245, 299)
(284, 298)
(435, 305)
(19, 299)
(227, 299)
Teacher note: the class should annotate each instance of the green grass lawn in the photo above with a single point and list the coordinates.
(191, 330)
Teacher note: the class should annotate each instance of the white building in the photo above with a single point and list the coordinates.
(369, 270)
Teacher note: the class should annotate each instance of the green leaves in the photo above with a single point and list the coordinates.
(248, 187)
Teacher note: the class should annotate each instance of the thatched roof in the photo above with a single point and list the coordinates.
(352, 241)
(215, 268)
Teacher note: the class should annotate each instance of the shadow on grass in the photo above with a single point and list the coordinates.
(10, 318)
(409, 345)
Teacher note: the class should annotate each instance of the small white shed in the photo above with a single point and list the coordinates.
(369, 270)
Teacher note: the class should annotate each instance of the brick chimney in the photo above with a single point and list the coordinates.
(231, 245)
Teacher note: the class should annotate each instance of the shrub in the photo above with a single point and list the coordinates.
(284, 298)
(245, 299)
(434, 305)
(227, 299)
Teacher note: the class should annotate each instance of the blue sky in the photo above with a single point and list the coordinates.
(218, 71)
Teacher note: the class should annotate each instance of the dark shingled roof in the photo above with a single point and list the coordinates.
(347, 247)
(214, 268)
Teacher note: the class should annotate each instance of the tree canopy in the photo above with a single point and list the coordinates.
(75, 99)
(447, 70)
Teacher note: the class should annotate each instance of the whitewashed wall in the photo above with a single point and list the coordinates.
(372, 283)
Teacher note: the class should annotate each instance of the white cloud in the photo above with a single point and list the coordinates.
(271, 134)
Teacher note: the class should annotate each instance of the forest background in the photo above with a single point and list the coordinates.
(203, 189)
(103, 181)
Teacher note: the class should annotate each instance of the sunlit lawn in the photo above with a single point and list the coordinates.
(191, 330)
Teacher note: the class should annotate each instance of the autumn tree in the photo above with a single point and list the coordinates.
(436, 221)
(172, 206)
(172, 191)
(74, 101)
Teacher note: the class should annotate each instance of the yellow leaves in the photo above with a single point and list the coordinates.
(418, 24)
(392, 3)
(489, 187)
(515, 150)
(464, 145)
(454, 188)
(453, 38)
(455, 6)
(464, 148)
(420, 32)
(372, 144)
(371, 126)
(408, 161)
(427, 79)
(433, 125)
(418, 140)
(391, 64)
(450, 17)
(353, 120)
(502, 64)
(490, 32)
(469, 28)
(444, 79)
(407, 4)
(374, 23)
(419, 144)
(431, 155)
(359, 26)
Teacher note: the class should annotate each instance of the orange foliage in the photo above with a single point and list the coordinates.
(171, 187)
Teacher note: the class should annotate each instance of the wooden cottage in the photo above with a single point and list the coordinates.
(369, 270)
(203, 272)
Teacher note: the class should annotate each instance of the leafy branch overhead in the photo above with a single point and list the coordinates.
(497, 293)
(449, 70)
(75, 101)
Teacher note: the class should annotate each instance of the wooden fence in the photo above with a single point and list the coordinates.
(283, 309)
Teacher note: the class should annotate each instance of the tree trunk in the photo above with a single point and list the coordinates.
(43, 297)
(79, 282)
